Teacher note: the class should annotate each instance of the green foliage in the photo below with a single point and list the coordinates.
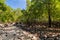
(2, 7)
(2, 1)
(36, 11)
(7, 14)
(17, 14)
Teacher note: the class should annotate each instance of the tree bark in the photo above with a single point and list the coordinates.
(49, 18)
(49, 14)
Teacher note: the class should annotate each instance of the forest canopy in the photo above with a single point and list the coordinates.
(36, 11)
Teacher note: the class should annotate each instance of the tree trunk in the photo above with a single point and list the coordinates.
(49, 18)
(49, 14)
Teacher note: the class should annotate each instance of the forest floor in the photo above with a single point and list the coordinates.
(24, 32)
(42, 31)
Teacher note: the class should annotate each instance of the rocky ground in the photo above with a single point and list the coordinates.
(12, 32)
(15, 33)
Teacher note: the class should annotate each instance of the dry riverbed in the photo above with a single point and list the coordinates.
(16, 33)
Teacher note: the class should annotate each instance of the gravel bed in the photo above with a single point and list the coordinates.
(16, 33)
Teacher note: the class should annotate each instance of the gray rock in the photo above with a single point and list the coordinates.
(1, 38)
(1, 32)
(14, 33)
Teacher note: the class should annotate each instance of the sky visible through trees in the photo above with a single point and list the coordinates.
(16, 3)
(33, 11)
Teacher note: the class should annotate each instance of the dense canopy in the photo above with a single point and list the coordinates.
(36, 11)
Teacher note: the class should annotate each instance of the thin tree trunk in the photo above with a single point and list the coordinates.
(49, 18)
(49, 14)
